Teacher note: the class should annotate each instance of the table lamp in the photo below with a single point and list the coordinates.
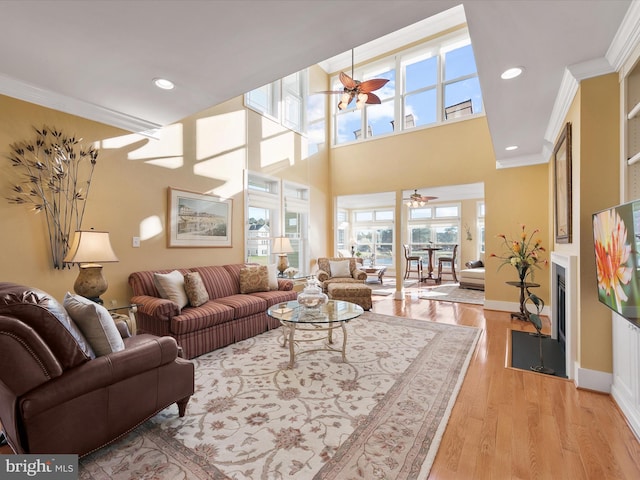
(282, 246)
(88, 248)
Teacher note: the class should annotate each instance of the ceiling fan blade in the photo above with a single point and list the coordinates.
(374, 84)
(347, 81)
(373, 98)
(330, 92)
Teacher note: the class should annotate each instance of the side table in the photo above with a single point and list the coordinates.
(523, 286)
(129, 319)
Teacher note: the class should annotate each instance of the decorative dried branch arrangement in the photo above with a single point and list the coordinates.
(55, 173)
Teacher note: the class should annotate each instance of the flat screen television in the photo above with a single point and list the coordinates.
(616, 237)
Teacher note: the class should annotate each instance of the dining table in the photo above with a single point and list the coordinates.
(430, 249)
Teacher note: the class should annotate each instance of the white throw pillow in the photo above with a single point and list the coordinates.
(171, 287)
(96, 324)
(273, 277)
(340, 268)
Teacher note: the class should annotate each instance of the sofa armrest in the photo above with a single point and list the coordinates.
(359, 274)
(285, 284)
(159, 308)
(322, 276)
(142, 353)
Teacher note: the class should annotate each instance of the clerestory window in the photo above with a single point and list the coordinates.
(429, 84)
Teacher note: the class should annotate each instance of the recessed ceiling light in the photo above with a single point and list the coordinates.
(511, 147)
(163, 83)
(512, 73)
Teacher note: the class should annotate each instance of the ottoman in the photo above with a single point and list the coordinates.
(357, 293)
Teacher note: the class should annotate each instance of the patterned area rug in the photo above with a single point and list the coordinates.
(380, 415)
(453, 293)
(389, 287)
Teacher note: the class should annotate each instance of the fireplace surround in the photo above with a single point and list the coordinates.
(564, 275)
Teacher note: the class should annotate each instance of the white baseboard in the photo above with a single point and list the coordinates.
(593, 379)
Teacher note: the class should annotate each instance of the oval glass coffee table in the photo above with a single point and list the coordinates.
(295, 318)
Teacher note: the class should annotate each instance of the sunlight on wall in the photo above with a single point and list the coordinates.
(227, 168)
(150, 227)
(220, 133)
(166, 151)
(277, 149)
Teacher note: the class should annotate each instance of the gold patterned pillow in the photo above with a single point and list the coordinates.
(254, 279)
(196, 291)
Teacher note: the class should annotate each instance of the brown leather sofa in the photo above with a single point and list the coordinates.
(57, 397)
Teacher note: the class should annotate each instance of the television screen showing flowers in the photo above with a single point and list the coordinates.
(616, 236)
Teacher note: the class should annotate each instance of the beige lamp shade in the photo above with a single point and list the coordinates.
(88, 248)
(281, 245)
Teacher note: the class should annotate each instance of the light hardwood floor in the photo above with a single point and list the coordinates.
(514, 424)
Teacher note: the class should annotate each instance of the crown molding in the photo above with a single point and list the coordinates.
(46, 98)
(626, 39)
(522, 161)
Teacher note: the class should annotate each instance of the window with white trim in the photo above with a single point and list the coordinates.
(283, 100)
(276, 208)
(372, 235)
(428, 84)
(436, 225)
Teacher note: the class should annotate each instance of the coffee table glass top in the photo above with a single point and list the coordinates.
(333, 311)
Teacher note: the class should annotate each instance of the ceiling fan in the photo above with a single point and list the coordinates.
(417, 200)
(357, 89)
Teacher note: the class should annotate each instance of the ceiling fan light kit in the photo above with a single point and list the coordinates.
(416, 200)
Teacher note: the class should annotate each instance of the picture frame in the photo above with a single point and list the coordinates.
(563, 193)
(198, 219)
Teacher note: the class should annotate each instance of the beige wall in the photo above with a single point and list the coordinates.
(208, 152)
(454, 154)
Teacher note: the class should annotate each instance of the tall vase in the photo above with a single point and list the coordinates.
(522, 273)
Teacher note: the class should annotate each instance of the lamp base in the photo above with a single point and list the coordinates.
(90, 282)
(283, 263)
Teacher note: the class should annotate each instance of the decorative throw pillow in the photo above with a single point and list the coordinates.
(254, 279)
(195, 289)
(475, 264)
(171, 287)
(340, 268)
(273, 277)
(96, 324)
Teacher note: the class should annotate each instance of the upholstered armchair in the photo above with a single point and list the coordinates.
(57, 395)
(340, 270)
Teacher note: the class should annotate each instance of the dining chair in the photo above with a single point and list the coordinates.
(409, 262)
(451, 260)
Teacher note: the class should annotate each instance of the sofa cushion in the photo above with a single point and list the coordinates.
(195, 289)
(95, 323)
(171, 287)
(244, 305)
(219, 281)
(254, 279)
(340, 269)
(192, 319)
(276, 296)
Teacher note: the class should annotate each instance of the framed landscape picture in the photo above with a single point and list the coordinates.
(562, 168)
(198, 220)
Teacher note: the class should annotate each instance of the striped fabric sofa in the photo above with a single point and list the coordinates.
(227, 317)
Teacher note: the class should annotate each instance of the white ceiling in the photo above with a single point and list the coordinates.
(97, 58)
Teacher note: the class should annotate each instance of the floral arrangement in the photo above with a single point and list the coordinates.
(523, 253)
(54, 174)
(291, 272)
